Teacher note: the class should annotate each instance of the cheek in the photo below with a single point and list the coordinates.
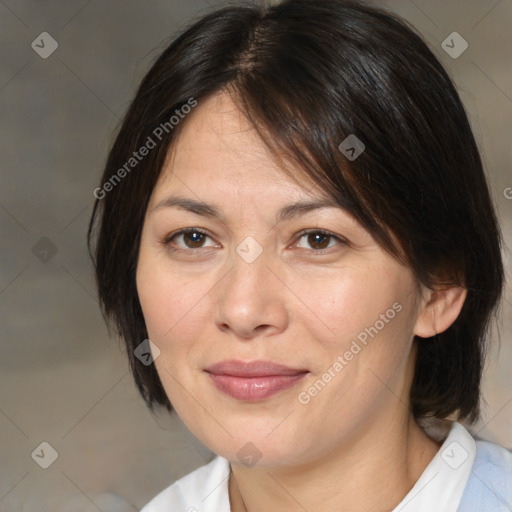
(166, 301)
(367, 319)
(174, 317)
(342, 309)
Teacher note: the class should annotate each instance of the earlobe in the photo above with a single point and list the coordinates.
(439, 310)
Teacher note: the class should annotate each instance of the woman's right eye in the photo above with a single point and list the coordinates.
(188, 239)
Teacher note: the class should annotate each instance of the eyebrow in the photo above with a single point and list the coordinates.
(208, 210)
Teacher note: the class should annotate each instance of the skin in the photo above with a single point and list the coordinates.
(355, 446)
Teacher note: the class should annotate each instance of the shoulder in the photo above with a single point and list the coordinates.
(490, 483)
(204, 489)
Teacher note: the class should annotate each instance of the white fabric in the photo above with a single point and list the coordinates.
(442, 484)
(440, 487)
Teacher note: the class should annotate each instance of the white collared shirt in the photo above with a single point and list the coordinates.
(442, 484)
(446, 480)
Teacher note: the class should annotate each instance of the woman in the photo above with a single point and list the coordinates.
(295, 213)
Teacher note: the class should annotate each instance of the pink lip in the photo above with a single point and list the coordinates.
(252, 381)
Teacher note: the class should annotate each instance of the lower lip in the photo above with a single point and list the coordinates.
(254, 388)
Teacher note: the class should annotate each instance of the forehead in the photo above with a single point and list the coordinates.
(218, 147)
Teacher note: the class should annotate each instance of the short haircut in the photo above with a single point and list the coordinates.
(308, 74)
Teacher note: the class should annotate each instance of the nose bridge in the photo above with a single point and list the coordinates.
(249, 298)
(249, 272)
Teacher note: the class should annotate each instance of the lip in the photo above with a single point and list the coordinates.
(258, 368)
(255, 380)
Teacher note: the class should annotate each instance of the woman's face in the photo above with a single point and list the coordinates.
(246, 283)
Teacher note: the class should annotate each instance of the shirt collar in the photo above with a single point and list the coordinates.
(442, 484)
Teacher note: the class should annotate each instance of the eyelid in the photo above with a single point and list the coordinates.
(168, 239)
(325, 232)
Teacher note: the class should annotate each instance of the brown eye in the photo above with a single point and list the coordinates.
(193, 239)
(318, 240)
(189, 239)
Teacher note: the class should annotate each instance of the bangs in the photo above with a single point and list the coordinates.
(304, 138)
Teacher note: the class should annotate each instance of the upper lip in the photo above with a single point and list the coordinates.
(257, 368)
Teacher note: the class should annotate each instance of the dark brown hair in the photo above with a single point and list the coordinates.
(309, 73)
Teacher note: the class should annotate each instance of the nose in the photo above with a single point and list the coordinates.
(251, 300)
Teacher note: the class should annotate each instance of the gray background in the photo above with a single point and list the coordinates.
(62, 379)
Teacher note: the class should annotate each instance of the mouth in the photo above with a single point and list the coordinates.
(255, 380)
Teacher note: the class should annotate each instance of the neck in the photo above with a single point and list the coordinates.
(364, 474)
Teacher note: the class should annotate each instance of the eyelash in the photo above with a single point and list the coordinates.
(167, 241)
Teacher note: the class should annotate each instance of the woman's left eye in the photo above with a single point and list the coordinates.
(318, 240)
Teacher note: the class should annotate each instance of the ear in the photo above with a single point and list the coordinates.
(438, 310)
